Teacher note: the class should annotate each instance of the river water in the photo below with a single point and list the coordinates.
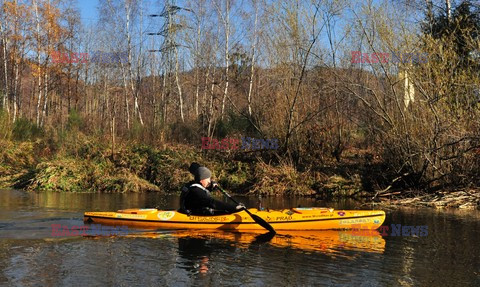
(448, 255)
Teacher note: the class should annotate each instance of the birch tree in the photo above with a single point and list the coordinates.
(225, 19)
(4, 36)
(134, 87)
(253, 54)
(38, 71)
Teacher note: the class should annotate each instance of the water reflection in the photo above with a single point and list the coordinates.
(12, 199)
(29, 255)
(195, 253)
(328, 241)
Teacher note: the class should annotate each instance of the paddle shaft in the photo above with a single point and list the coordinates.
(255, 218)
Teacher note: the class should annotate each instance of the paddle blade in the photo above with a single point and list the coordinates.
(255, 218)
(262, 222)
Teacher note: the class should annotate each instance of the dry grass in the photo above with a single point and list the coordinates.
(281, 180)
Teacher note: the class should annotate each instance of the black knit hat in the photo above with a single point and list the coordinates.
(202, 173)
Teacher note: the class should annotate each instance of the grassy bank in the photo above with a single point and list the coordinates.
(71, 161)
(82, 164)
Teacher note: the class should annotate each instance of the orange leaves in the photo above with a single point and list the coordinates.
(36, 69)
(54, 29)
(15, 12)
(15, 17)
(10, 8)
(52, 15)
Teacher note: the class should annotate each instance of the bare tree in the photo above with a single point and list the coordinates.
(225, 18)
(134, 88)
(5, 44)
(253, 54)
(38, 66)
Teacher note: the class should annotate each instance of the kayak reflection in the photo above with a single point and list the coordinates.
(329, 241)
(196, 250)
(195, 253)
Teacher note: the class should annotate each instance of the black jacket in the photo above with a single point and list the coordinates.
(197, 200)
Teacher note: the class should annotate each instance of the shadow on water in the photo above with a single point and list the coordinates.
(263, 238)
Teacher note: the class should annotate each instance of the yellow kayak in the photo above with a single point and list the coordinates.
(312, 218)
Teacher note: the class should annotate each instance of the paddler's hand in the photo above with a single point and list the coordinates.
(240, 206)
(213, 184)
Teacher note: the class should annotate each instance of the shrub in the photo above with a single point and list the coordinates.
(75, 121)
(24, 129)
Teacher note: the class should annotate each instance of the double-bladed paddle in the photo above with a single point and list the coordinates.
(255, 218)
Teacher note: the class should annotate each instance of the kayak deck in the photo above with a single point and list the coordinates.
(313, 218)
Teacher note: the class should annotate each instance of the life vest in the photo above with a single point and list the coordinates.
(199, 186)
(183, 197)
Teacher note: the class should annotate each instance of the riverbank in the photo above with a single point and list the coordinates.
(462, 199)
(83, 164)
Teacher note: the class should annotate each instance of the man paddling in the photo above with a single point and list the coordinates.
(196, 199)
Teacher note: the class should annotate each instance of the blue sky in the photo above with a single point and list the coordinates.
(88, 10)
(89, 16)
